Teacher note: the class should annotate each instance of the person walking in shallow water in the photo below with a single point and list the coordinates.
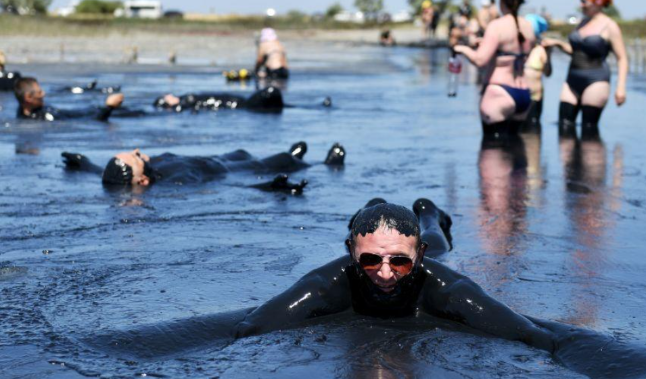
(538, 64)
(271, 62)
(505, 97)
(587, 88)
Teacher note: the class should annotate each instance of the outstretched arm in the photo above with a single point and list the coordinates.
(451, 295)
(323, 291)
(79, 162)
(486, 50)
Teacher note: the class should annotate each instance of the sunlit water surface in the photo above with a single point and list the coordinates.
(552, 229)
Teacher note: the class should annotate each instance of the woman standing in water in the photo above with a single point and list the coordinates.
(587, 87)
(271, 56)
(538, 64)
(503, 51)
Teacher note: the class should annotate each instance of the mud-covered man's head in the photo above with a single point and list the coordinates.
(29, 93)
(129, 168)
(385, 241)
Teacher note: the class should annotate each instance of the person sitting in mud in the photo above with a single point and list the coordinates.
(386, 38)
(135, 169)
(389, 273)
(269, 99)
(271, 62)
(31, 99)
(7, 79)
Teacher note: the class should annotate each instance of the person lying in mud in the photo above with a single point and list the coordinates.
(31, 104)
(267, 100)
(134, 168)
(389, 273)
(91, 87)
(7, 78)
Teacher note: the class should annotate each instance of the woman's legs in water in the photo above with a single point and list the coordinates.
(568, 111)
(594, 99)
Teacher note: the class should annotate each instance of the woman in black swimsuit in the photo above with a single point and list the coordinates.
(587, 87)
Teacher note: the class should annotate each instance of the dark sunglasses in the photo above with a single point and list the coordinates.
(400, 265)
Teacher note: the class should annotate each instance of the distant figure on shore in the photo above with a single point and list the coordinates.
(538, 64)
(587, 87)
(503, 50)
(428, 13)
(386, 38)
(463, 29)
(271, 62)
(7, 79)
(31, 104)
(487, 13)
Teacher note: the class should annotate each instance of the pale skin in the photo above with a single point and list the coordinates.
(276, 55)
(135, 159)
(533, 77)
(35, 99)
(501, 34)
(486, 15)
(597, 23)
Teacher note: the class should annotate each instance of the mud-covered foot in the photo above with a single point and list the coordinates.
(298, 149)
(427, 213)
(336, 155)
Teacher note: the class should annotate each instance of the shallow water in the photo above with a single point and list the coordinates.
(559, 239)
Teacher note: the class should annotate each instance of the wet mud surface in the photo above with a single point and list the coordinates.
(552, 228)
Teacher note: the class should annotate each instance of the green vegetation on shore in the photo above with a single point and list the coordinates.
(631, 29)
(97, 24)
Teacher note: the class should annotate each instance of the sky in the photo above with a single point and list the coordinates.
(558, 8)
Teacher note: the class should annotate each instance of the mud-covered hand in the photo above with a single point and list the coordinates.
(79, 162)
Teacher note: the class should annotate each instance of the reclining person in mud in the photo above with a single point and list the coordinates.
(388, 273)
(267, 100)
(135, 169)
(31, 104)
(7, 78)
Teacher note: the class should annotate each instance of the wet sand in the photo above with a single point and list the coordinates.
(557, 237)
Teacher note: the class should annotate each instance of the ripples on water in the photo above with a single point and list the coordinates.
(552, 228)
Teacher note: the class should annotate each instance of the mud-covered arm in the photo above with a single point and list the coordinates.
(451, 295)
(79, 162)
(321, 292)
(101, 113)
(595, 354)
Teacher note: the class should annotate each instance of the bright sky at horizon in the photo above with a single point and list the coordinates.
(629, 9)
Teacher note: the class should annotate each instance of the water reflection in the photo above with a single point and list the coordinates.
(503, 169)
(585, 169)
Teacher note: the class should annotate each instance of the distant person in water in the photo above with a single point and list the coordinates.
(487, 13)
(133, 168)
(386, 38)
(7, 78)
(269, 99)
(503, 50)
(31, 104)
(538, 63)
(427, 18)
(587, 87)
(271, 62)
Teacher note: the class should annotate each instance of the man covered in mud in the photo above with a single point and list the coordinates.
(389, 273)
(133, 168)
(7, 78)
(31, 104)
(266, 100)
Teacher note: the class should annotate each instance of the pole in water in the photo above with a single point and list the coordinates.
(455, 68)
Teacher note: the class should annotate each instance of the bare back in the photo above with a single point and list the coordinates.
(500, 44)
(272, 53)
